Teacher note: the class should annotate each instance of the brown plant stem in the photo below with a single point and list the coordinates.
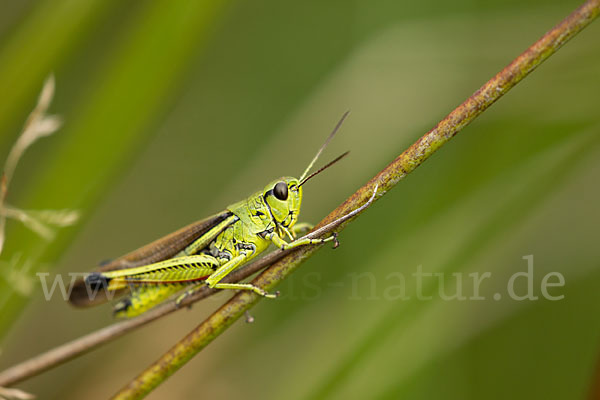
(405, 163)
(594, 391)
(63, 353)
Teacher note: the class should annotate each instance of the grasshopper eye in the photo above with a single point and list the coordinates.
(281, 191)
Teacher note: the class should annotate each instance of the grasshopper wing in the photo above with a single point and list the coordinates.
(162, 249)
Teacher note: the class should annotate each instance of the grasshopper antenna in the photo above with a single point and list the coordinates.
(303, 181)
(337, 126)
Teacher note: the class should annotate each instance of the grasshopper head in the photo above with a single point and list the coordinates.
(284, 196)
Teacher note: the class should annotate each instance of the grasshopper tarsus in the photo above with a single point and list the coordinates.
(271, 295)
(249, 318)
(179, 300)
(336, 242)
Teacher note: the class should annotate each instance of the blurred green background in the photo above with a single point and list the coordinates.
(174, 109)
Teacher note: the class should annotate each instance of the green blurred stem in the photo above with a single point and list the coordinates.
(405, 163)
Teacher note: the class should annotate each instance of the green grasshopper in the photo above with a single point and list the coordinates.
(206, 251)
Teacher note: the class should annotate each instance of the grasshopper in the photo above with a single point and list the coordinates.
(205, 252)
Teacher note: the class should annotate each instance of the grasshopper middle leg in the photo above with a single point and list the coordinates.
(214, 280)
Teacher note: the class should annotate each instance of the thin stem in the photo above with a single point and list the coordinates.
(63, 353)
(405, 163)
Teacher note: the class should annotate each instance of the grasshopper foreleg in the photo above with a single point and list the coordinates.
(279, 242)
